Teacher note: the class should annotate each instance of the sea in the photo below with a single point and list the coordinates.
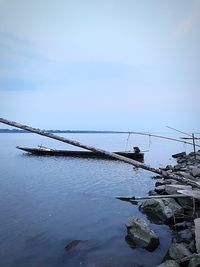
(46, 203)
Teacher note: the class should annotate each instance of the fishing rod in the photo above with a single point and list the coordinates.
(157, 136)
(179, 131)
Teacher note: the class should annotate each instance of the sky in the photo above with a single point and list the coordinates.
(100, 65)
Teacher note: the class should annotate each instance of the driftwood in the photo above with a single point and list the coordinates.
(134, 200)
(150, 197)
(101, 151)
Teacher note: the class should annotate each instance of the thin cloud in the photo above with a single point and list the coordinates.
(186, 24)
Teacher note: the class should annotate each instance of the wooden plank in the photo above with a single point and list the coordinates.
(197, 234)
(150, 197)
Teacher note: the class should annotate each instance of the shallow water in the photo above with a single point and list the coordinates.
(46, 202)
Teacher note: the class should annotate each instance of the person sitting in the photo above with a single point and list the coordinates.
(136, 149)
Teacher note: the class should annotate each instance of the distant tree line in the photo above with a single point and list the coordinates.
(53, 131)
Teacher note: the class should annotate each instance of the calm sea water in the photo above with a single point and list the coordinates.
(46, 202)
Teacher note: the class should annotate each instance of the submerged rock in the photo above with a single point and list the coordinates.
(74, 243)
(140, 235)
(169, 263)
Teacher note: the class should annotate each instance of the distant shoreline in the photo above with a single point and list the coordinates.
(56, 131)
(78, 131)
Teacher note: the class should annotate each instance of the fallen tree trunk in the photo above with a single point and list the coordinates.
(101, 151)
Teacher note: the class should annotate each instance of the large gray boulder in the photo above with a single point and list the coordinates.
(161, 210)
(172, 189)
(169, 263)
(140, 235)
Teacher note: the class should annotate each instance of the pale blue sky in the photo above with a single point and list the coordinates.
(100, 65)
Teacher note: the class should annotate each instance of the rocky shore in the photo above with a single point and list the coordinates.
(180, 213)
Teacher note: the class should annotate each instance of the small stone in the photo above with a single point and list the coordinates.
(160, 189)
(152, 193)
(157, 177)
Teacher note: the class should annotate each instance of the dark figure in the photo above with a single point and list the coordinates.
(136, 149)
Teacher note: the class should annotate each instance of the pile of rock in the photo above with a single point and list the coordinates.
(179, 213)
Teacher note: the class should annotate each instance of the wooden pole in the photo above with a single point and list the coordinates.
(158, 136)
(150, 197)
(193, 140)
(100, 151)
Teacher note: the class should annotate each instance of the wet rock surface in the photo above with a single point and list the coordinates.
(140, 235)
(169, 263)
(178, 212)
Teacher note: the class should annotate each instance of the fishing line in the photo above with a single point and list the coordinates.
(150, 142)
(127, 141)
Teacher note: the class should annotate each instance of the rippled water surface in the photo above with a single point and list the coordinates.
(46, 202)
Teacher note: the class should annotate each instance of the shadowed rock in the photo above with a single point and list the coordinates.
(140, 235)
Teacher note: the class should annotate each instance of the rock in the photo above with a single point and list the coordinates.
(197, 234)
(170, 181)
(186, 203)
(194, 261)
(186, 175)
(152, 193)
(157, 177)
(195, 171)
(160, 189)
(169, 167)
(156, 210)
(186, 235)
(140, 235)
(74, 243)
(179, 155)
(179, 167)
(181, 160)
(178, 251)
(159, 183)
(169, 263)
(161, 210)
(182, 225)
(174, 206)
(171, 189)
(192, 246)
